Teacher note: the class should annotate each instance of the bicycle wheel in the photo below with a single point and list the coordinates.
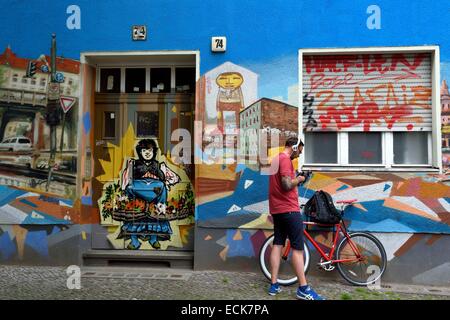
(372, 265)
(286, 274)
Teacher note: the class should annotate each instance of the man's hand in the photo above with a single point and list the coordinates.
(288, 184)
(300, 179)
(305, 174)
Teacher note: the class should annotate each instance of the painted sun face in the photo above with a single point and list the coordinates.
(230, 80)
(147, 154)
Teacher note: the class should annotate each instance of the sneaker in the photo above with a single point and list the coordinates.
(274, 289)
(307, 293)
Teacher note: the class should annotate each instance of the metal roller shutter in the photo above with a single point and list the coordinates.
(367, 92)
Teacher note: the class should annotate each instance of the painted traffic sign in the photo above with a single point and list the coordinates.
(66, 103)
(59, 77)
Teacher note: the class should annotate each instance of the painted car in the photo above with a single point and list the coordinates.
(16, 144)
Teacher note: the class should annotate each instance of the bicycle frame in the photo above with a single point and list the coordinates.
(328, 257)
(340, 227)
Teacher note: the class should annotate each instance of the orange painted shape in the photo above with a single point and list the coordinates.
(223, 253)
(360, 206)
(332, 188)
(408, 244)
(320, 181)
(184, 232)
(394, 204)
(20, 235)
(433, 239)
(237, 236)
(422, 189)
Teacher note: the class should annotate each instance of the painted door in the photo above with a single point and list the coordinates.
(107, 162)
(147, 199)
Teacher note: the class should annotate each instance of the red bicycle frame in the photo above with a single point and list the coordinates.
(328, 257)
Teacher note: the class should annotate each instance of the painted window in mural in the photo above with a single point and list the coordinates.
(147, 124)
(110, 80)
(135, 80)
(374, 103)
(160, 79)
(445, 117)
(185, 80)
(109, 124)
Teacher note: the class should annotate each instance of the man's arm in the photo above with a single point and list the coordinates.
(288, 184)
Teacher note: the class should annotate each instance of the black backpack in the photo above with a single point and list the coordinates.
(320, 208)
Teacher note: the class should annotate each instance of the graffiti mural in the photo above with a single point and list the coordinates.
(412, 258)
(151, 199)
(43, 244)
(397, 202)
(25, 134)
(39, 228)
(225, 92)
(369, 92)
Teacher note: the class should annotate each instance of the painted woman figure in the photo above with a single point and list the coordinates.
(147, 179)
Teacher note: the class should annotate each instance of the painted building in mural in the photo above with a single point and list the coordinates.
(154, 153)
(271, 118)
(445, 113)
(24, 134)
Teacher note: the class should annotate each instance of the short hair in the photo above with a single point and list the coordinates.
(292, 141)
(146, 144)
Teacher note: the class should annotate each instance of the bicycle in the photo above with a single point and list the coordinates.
(353, 251)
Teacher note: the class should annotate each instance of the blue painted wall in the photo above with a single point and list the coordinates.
(257, 31)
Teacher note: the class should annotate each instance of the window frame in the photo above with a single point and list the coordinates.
(147, 67)
(387, 152)
(434, 136)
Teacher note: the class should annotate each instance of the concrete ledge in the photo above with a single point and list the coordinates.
(139, 258)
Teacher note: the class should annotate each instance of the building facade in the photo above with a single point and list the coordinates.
(150, 156)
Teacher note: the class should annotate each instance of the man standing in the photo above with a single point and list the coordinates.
(287, 219)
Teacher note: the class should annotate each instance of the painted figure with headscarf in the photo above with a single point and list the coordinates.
(149, 180)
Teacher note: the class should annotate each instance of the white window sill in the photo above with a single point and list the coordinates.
(370, 169)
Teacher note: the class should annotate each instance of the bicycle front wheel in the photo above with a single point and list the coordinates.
(286, 273)
(372, 262)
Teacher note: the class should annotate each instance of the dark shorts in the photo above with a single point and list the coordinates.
(288, 225)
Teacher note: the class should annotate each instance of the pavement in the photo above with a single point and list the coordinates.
(119, 283)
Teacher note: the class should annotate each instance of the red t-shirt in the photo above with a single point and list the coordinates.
(281, 201)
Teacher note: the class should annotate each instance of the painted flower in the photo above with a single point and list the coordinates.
(161, 208)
